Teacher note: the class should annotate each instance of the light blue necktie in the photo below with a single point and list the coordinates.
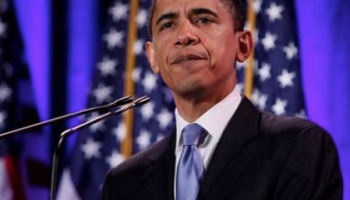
(190, 167)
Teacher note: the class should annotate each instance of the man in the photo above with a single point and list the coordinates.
(236, 152)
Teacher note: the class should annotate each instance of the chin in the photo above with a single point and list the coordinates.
(193, 89)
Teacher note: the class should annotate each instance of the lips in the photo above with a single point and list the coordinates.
(178, 59)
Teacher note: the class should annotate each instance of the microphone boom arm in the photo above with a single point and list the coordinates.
(118, 102)
(64, 134)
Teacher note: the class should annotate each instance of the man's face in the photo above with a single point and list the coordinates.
(194, 46)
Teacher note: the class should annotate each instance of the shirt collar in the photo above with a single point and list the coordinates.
(215, 120)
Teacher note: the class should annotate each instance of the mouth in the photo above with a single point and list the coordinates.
(188, 57)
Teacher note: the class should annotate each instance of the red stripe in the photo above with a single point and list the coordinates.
(14, 174)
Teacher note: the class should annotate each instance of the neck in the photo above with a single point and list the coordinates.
(192, 107)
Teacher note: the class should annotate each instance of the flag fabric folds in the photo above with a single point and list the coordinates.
(277, 85)
(12, 76)
(123, 70)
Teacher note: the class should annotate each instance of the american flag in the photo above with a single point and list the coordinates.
(11, 187)
(277, 88)
(277, 85)
(99, 148)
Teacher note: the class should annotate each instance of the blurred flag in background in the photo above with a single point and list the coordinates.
(122, 70)
(11, 179)
(271, 77)
(19, 164)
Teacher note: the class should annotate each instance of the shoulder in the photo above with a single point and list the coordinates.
(278, 137)
(292, 129)
(300, 144)
(141, 161)
(305, 152)
(274, 124)
(292, 142)
(122, 179)
(294, 132)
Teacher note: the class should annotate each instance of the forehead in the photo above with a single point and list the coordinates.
(185, 6)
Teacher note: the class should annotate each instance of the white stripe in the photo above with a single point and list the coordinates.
(5, 187)
(66, 188)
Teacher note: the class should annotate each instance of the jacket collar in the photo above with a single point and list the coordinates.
(230, 157)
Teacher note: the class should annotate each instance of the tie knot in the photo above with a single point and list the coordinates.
(193, 133)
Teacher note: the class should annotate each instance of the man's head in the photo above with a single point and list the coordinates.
(195, 46)
(237, 8)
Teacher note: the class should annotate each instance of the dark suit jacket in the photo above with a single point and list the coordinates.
(259, 157)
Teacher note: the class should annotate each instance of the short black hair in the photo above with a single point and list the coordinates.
(238, 10)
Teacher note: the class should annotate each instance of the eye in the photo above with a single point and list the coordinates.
(203, 20)
(166, 25)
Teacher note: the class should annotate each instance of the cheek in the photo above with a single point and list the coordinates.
(220, 43)
(230, 47)
(163, 48)
(221, 50)
(164, 68)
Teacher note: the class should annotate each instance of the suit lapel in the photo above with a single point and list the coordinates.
(163, 165)
(170, 165)
(230, 158)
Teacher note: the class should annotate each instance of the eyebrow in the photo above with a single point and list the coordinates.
(199, 11)
(170, 15)
(194, 11)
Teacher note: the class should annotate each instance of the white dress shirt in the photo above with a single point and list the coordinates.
(214, 121)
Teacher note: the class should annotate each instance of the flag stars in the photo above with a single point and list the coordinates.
(167, 95)
(241, 65)
(279, 107)
(120, 132)
(96, 126)
(2, 119)
(262, 101)
(138, 47)
(147, 111)
(144, 139)
(264, 72)
(240, 87)
(286, 78)
(255, 65)
(114, 38)
(159, 137)
(301, 114)
(259, 99)
(107, 66)
(136, 74)
(102, 93)
(274, 12)
(91, 149)
(115, 159)
(149, 82)
(290, 50)
(164, 118)
(257, 6)
(5, 92)
(119, 11)
(255, 96)
(141, 18)
(269, 41)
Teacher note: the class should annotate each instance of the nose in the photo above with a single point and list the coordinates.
(186, 35)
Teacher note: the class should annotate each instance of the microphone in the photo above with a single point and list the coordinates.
(137, 102)
(64, 134)
(116, 103)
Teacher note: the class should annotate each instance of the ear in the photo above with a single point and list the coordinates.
(151, 56)
(245, 45)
